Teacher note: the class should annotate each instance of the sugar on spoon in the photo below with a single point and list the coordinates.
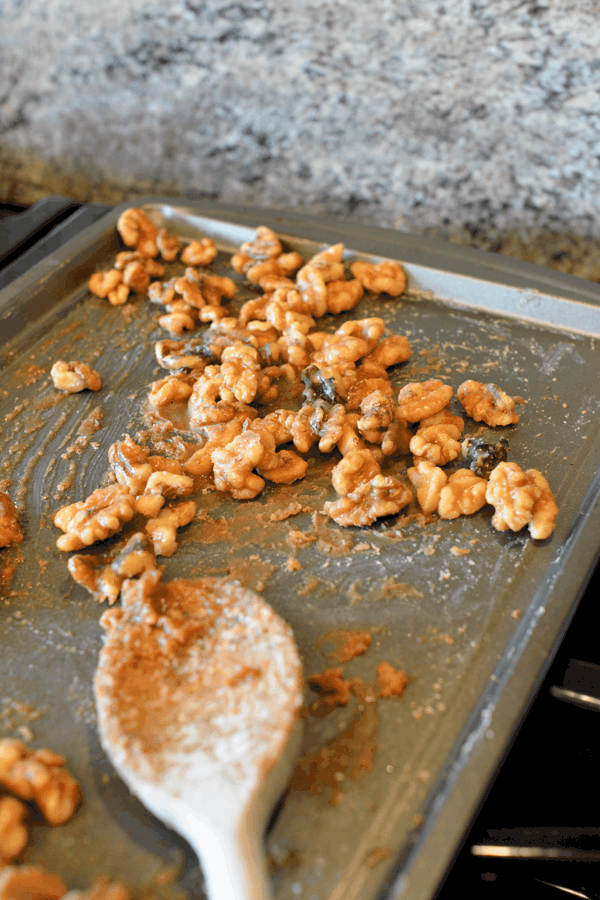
(198, 691)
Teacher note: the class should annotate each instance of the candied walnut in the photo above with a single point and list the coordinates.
(168, 245)
(445, 418)
(463, 495)
(39, 775)
(10, 530)
(137, 231)
(74, 376)
(215, 287)
(136, 277)
(240, 371)
(265, 269)
(103, 514)
(13, 833)
(151, 266)
(166, 481)
(349, 343)
(234, 465)
(271, 283)
(277, 424)
(241, 262)
(162, 293)
(386, 277)
(281, 316)
(482, 457)
(312, 290)
(260, 334)
(212, 313)
(338, 349)
(545, 509)
(295, 346)
(312, 423)
(102, 583)
(119, 295)
(487, 403)
(343, 296)
(102, 283)
(163, 528)
(377, 416)
(212, 402)
(135, 558)
(199, 253)
(420, 399)
(30, 883)
(429, 481)
(254, 309)
(513, 493)
(329, 263)
(390, 351)
(382, 496)
(436, 443)
(355, 469)
(362, 383)
(369, 330)
(172, 389)
(190, 290)
(265, 244)
(289, 262)
(179, 321)
(130, 464)
(392, 682)
(169, 483)
(289, 468)
(200, 462)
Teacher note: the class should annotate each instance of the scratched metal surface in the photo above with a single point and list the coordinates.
(459, 624)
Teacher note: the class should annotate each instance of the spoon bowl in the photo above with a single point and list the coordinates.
(198, 692)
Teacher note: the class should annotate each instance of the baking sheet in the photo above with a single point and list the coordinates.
(473, 631)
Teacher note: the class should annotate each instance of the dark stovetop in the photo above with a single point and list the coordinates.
(543, 802)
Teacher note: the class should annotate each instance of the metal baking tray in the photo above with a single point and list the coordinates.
(474, 631)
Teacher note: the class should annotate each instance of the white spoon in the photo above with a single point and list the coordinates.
(198, 690)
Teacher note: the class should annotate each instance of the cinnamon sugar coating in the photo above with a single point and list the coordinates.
(392, 682)
(10, 530)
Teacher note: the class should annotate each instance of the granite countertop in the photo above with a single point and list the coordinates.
(476, 120)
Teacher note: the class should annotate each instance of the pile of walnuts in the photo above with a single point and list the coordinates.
(228, 371)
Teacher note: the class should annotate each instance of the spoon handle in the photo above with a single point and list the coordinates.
(232, 858)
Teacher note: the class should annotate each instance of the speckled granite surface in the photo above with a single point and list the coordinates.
(477, 120)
